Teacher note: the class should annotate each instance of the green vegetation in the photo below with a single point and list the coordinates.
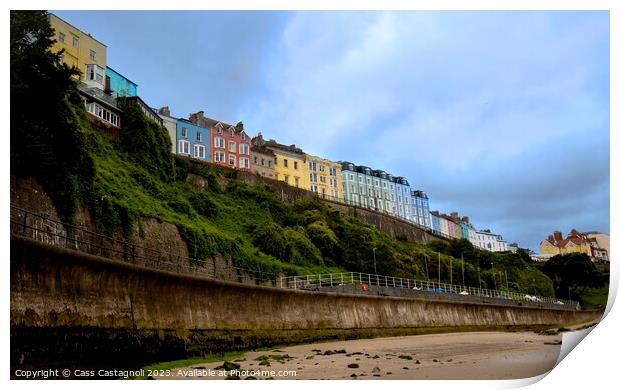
(574, 276)
(136, 176)
(47, 141)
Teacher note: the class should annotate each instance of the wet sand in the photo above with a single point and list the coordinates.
(474, 355)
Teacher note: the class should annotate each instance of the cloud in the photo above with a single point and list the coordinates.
(500, 114)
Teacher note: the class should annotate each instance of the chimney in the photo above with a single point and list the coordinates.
(557, 235)
(197, 118)
(239, 126)
(465, 219)
(454, 215)
(165, 111)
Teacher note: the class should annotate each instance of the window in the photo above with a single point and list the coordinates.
(244, 148)
(322, 168)
(231, 161)
(255, 160)
(314, 188)
(219, 142)
(286, 179)
(61, 58)
(359, 179)
(323, 192)
(295, 164)
(94, 73)
(262, 162)
(76, 42)
(296, 182)
(232, 146)
(199, 136)
(332, 171)
(199, 151)
(219, 156)
(61, 37)
(313, 176)
(244, 162)
(184, 147)
(285, 164)
(93, 55)
(184, 132)
(102, 113)
(323, 180)
(269, 163)
(312, 165)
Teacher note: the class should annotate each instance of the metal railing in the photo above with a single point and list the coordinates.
(44, 229)
(362, 282)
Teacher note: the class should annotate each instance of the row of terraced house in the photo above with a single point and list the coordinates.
(211, 140)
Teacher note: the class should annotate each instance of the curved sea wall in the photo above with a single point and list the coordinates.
(74, 307)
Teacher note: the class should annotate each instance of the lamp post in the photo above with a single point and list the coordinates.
(493, 273)
(374, 256)
(440, 270)
(428, 278)
(479, 282)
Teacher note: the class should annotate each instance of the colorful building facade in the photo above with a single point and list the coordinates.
(376, 190)
(192, 140)
(119, 85)
(230, 145)
(324, 177)
(402, 198)
(81, 50)
(420, 211)
(574, 242)
(290, 164)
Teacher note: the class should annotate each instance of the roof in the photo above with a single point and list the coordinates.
(85, 33)
(98, 95)
(120, 74)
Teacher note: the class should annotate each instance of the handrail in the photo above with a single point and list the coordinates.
(359, 279)
(42, 228)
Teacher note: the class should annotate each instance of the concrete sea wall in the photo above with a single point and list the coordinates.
(73, 307)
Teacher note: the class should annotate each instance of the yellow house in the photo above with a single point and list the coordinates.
(81, 50)
(290, 164)
(324, 177)
(547, 248)
(574, 242)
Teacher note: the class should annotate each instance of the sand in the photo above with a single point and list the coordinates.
(473, 355)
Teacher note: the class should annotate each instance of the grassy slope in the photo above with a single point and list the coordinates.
(241, 208)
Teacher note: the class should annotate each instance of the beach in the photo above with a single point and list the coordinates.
(470, 355)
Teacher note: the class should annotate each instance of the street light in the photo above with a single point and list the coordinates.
(493, 273)
(428, 278)
(374, 256)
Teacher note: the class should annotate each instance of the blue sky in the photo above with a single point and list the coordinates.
(500, 115)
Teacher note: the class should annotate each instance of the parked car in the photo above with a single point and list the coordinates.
(463, 293)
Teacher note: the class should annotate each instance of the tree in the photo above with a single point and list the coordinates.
(46, 139)
(574, 271)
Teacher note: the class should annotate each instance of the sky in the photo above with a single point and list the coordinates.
(502, 116)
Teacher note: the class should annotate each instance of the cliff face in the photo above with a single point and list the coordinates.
(28, 194)
(81, 309)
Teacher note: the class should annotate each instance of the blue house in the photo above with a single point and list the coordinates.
(436, 226)
(119, 85)
(402, 197)
(193, 141)
(420, 212)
